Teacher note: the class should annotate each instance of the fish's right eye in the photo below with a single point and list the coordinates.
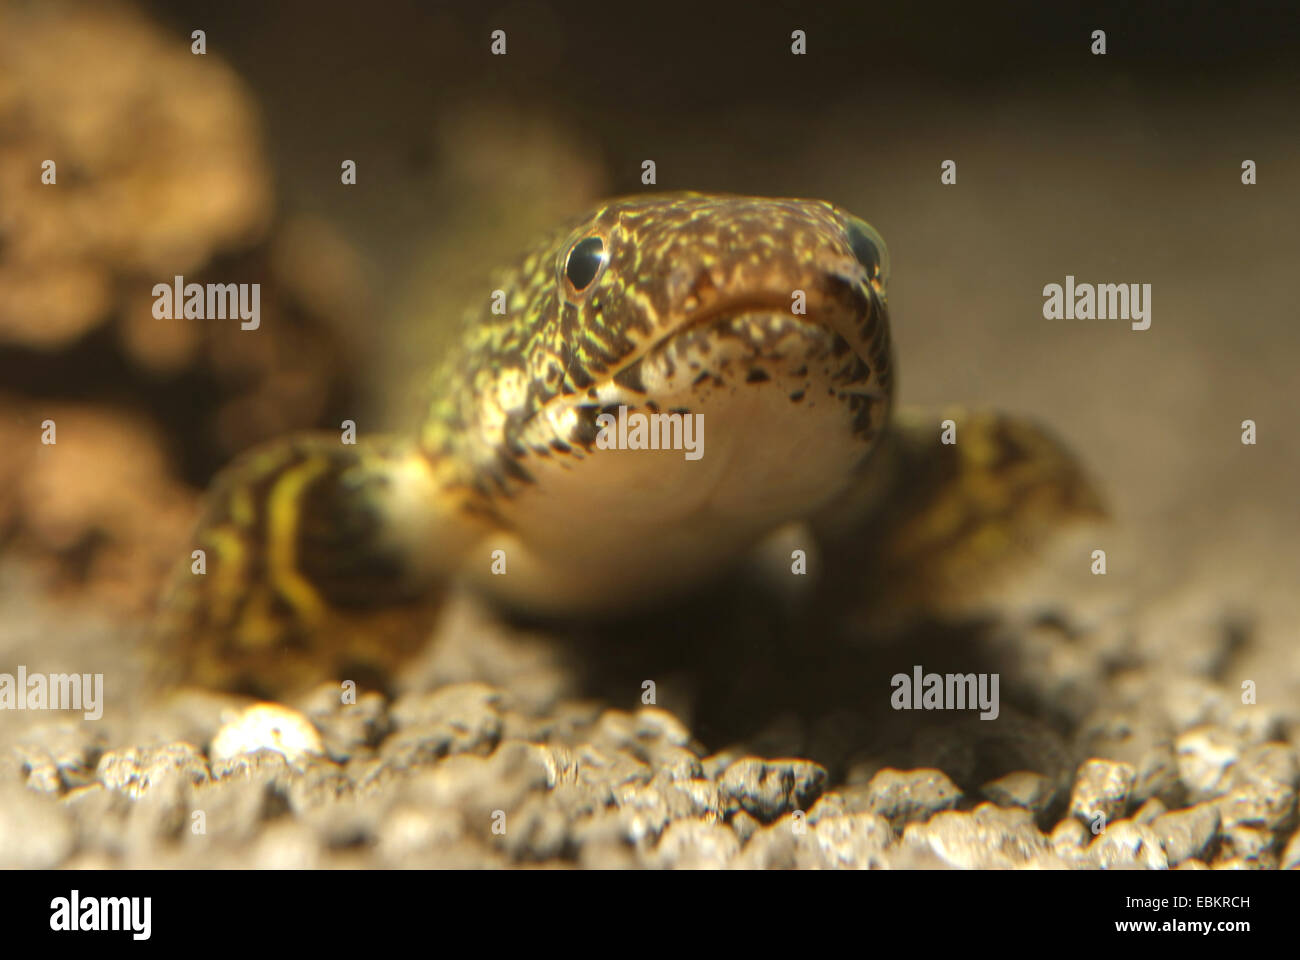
(584, 261)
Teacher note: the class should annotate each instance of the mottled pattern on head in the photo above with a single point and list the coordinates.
(675, 264)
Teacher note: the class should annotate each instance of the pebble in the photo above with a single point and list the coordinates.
(768, 789)
(1244, 843)
(643, 730)
(678, 763)
(856, 841)
(346, 729)
(538, 829)
(59, 757)
(910, 796)
(263, 765)
(408, 833)
(285, 845)
(35, 832)
(1126, 844)
(1257, 723)
(469, 782)
(744, 826)
(602, 853)
(460, 718)
(1206, 756)
(1023, 788)
(606, 771)
(853, 841)
(715, 765)
(695, 845)
(1150, 811)
(472, 708)
(649, 808)
(989, 837)
(774, 847)
(133, 771)
(1184, 834)
(1101, 787)
(1069, 838)
(100, 815)
(1192, 702)
(1291, 855)
(849, 798)
(1263, 788)
(267, 726)
(1157, 776)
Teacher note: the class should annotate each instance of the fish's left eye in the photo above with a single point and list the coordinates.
(585, 259)
(869, 248)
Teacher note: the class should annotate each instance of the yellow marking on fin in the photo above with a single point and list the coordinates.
(241, 507)
(281, 546)
(230, 579)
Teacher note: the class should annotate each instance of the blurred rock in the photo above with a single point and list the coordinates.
(695, 845)
(1125, 844)
(987, 838)
(463, 718)
(1149, 812)
(1185, 834)
(59, 757)
(1023, 788)
(537, 830)
(847, 799)
(285, 846)
(768, 789)
(99, 509)
(744, 826)
(853, 841)
(647, 809)
(1101, 787)
(1157, 775)
(1069, 838)
(910, 796)
(1291, 855)
(158, 157)
(35, 833)
(160, 173)
(1250, 845)
(1206, 756)
(1263, 788)
(134, 771)
(346, 729)
(267, 726)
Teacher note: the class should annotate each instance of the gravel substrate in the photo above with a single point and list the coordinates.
(455, 773)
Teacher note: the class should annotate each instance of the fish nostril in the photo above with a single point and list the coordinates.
(703, 287)
(694, 289)
(687, 282)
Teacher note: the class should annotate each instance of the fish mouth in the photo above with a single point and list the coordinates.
(836, 324)
(833, 303)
